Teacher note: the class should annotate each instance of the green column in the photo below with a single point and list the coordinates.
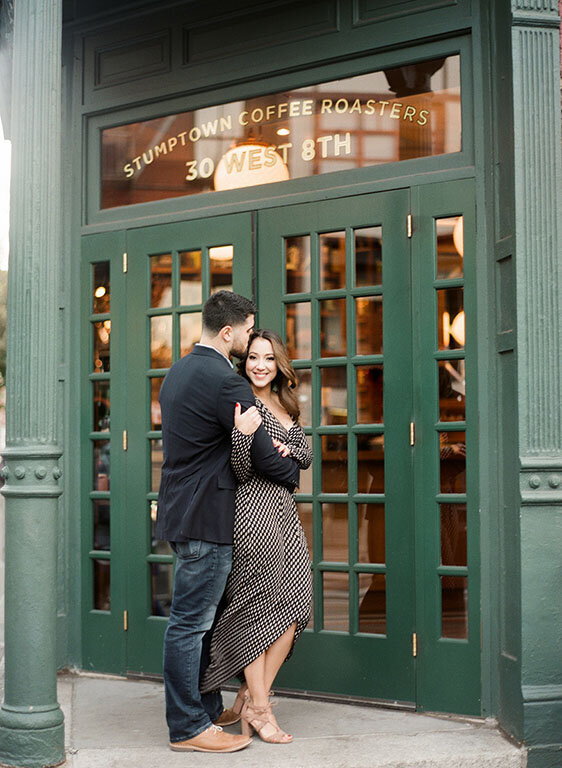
(31, 721)
(536, 84)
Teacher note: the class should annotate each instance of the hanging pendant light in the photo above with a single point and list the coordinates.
(248, 164)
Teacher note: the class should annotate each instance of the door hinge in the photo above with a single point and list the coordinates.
(412, 433)
(414, 644)
(409, 225)
(125, 620)
(125, 440)
(125, 261)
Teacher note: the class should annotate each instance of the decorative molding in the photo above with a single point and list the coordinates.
(372, 11)
(541, 487)
(522, 19)
(31, 472)
(249, 32)
(537, 182)
(131, 59)
(536, 6)
(542, 692)
(540, 481)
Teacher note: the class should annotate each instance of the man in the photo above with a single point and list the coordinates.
(196, 509)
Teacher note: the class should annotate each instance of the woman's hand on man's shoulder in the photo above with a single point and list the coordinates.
(247, 422)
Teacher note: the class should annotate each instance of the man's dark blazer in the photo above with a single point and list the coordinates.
(196, 498)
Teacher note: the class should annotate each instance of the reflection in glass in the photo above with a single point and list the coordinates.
(368, 325)
(372, 603)
(336, 601)
(453, 534)
(370, 463)
(334, 533)
(100, 511)
(306, 516)
(452, 460)
(450, 247)
(368, 256)
(298, 330)
(161, 341)
(369, 394)
(220, 259)
(452, 388)
(155, 412)
(306, 474)
(333, 383)
(101, 298)
(161, 280)
(376, 117)
(331, 247)
(332, 327)
(156, 460)
(454, 607)
(304, 395)
(190, 277)
(101, 465)
(102, 333)
(102, 406)
(450, 317)
(157, 546)
(297, 263)
(162, 582)
(334, 463)
(190, 331)
(371, 527)
(102, 585)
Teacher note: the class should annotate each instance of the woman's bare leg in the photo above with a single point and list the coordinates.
(255, 680)
(276, 654)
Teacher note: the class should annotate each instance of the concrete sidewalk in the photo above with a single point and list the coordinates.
(118, 723)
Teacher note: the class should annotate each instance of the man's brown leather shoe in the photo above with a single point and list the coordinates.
(227, 717)
(214, 739)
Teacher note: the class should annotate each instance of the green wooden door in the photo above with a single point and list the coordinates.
(142, 294)
(445, 306)
(172, 269)
(103, 467)
(349, 332)
(374, 322)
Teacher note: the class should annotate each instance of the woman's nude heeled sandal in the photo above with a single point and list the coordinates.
(260, 720)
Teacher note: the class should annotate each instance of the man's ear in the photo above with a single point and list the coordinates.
(226, 334)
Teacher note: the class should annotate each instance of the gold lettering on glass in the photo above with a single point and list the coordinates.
(396, 114)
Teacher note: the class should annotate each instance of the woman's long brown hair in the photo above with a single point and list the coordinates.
(285, 382)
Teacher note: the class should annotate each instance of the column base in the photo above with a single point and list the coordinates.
(25, 743)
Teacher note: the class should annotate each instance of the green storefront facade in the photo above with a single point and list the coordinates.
(384, 179)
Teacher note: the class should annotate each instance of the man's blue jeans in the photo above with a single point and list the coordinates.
(202, 569)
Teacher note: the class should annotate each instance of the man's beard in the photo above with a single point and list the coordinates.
(239, 351)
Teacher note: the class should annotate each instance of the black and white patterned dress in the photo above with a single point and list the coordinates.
(270, 585)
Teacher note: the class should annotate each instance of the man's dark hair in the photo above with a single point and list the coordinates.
(226, 308)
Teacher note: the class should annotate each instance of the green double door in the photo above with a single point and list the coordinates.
(369, 293)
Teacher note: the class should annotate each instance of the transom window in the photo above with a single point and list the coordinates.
(394, 114)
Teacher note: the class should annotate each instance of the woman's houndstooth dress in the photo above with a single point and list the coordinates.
(270, 585)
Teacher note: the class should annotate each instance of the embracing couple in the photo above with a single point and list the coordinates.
(233, 448)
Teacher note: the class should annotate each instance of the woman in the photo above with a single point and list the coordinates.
(269, 590)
